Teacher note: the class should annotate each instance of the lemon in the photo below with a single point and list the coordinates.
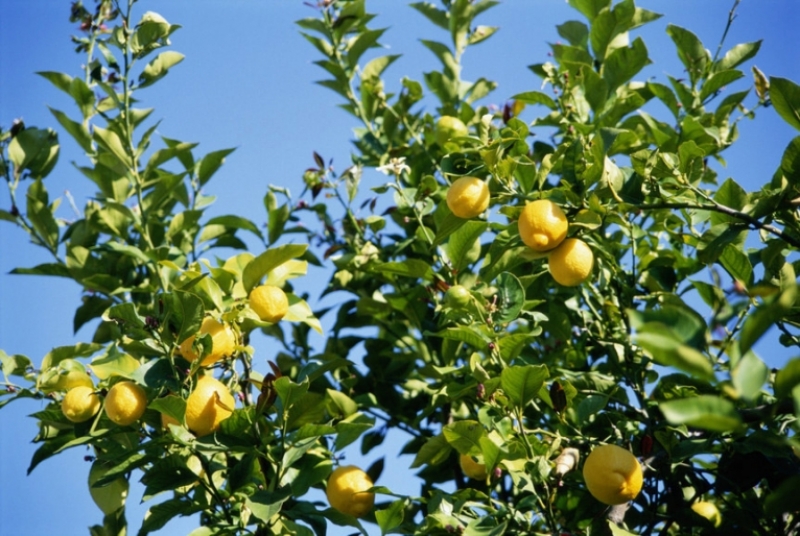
(449, 127)
(468, 197)
(125, 403)
(69, 373)
(269, 303)
(209, 404)
(709, 511)
(471, 468)
(571, 263)
(347, 491)
(80, 404)
(542, 225)
(612, 474)
(223, 342)
(457, 297)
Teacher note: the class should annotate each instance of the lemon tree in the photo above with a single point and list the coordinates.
(555, 305)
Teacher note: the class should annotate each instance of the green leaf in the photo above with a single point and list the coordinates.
(83, 96)
(717, 81)
(464, 436)
(61, 80)
(210, 163)
(624, 63)
(35, 150)
(465, 334)
(790, 162)
(414, 268)
(170, 405)
(737, 55)
(14, 365)
(749, 376)
(391, 517)
(510, 297)
(787, 378)
(785, 499)
(435, 450)
(78, 131)
(289, 392)
(731, 195)
(521, 383)
(536, 97)
(590, 8)
(109, 141)
(576, 32)
(375, 67)
(265, 504)
(183, 314)
(785, 96)
(462, 241)
(160, 514)
(437, 16)
(361, 43)
(691, 51)
(667, 350)
(706, 412)
(765, 316)
(236, 222)
(50, 268)
(340, 405)
(58, 354)
(267, 261)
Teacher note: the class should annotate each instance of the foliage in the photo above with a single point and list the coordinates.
(650, 353)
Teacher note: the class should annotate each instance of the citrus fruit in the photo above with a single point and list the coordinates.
(468, 197)
(347, 491)
(612, 474)
(571, 263)
(80, 404)
(471, 468)
(457, 297)
(125, 403)
(111, 497)
(449, 127)
(542, 225)
(69, 373)
(223, 342)
(209, 404)
(269, 303)
(709, 511)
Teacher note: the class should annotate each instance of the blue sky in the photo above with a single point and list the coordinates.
(247, 82)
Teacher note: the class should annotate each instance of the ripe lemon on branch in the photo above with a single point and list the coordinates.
(471, 468)
(269, 303)
(347, 491)
(542, 225)
(468, 197)
(612, 474)
(223, 342)
(209, 404)
(449, 127)
(125, 403)
(571, 262)
(80, 404)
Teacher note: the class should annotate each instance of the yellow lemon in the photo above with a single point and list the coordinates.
(111, 497)
(125, 403)
(471, 468)
(449, 127)
(542, 225)
(209, 404)
(348, 491)
(80, 404)
(571, 263)
(612, 474)
(269, 303)
(468, 197)
(709, 511)
(223, 342)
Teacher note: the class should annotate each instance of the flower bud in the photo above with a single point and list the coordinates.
(567, 461)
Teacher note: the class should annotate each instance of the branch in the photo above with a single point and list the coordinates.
(722, 209)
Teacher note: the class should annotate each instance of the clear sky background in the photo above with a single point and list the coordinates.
(247, 82)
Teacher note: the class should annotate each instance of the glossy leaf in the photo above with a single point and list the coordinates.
(706, 412)
(521, 383)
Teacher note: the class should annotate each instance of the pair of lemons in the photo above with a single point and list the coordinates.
(542, 227)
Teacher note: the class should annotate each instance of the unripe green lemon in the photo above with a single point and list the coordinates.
(457, 297)
(709, 511)
(449, 127)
